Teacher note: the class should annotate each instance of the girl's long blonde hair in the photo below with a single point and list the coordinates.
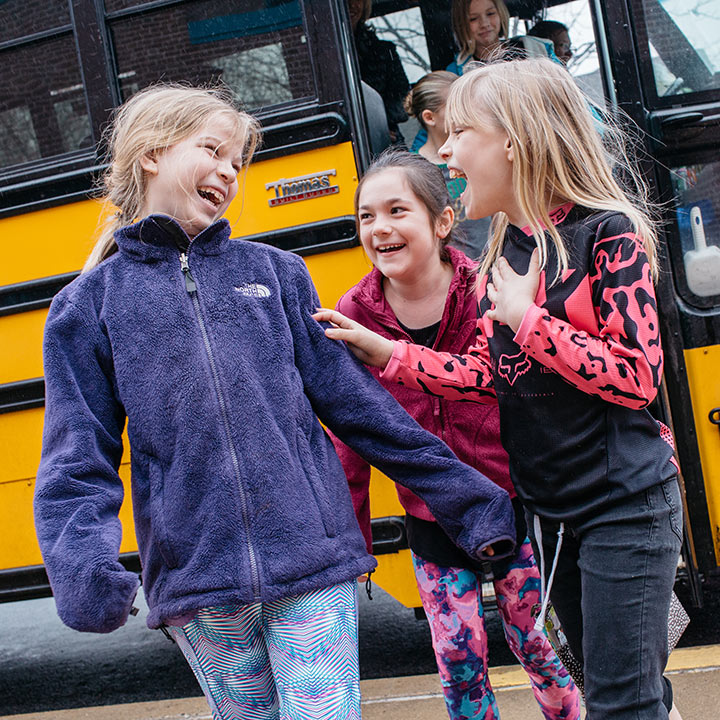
(459, 16)
(153, 120)
(562, 152)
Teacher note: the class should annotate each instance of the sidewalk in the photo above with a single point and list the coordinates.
(695, 673)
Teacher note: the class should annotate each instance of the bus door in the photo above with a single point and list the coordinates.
(665, 61)
(66, 64)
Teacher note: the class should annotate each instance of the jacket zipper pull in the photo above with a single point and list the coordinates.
(185, 267)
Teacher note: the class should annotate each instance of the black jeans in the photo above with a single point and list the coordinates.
(611, 592)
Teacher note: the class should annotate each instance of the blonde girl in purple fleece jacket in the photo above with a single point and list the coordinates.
(205, 348)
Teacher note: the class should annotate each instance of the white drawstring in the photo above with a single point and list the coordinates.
(545, 595)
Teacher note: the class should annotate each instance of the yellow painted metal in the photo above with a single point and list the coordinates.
(250, 213)
(20, 438)
(48, 242)
(703, 365)
(394, 574)
(335, 272)
(21, 335)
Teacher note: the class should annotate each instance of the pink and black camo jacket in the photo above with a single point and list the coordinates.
(573, 384)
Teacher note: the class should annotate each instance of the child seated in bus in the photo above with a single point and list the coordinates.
(206, 347)
(426, 102)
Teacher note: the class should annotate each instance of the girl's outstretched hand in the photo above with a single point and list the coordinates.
(512, 294)
(367, 346)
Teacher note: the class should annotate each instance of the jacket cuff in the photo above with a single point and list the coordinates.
(398, 360)
(103, 605)
(503, 547)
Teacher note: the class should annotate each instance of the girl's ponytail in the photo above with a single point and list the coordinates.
(429, 93)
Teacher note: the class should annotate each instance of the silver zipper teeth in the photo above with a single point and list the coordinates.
(226, 424)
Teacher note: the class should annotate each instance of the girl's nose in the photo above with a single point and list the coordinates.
(445, 150)
(226, 170)
(381, 227)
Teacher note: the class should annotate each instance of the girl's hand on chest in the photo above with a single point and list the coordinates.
(512, 294)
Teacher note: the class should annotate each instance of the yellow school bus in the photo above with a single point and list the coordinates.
(67, 64)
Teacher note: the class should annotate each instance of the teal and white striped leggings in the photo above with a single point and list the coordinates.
(290, 659)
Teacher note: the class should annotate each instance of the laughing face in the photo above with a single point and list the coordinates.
(483, 156)
(396, 230)
(195, 180)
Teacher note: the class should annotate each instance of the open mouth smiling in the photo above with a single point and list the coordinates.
(456, 174)
(211, 195)
(390, 248)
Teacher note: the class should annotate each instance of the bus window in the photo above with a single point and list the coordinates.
(42, 99)
(405, 30)
(697, 207)
(682, 39)
(260, 53)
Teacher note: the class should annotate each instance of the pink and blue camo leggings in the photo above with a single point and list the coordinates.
(452, 598)
(291, 659)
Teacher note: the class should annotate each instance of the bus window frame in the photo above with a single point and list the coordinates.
(646, 71)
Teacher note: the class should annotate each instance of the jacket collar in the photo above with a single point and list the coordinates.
(369, 291)
(557, 215)
(159, 236)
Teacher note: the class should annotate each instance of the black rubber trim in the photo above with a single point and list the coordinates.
(33, 294)
(388, 535)
(299, 135)
(22, 395)
(26, 583)
(313, 238)
(321, 236)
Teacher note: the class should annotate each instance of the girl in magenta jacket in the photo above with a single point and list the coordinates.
(421, 290)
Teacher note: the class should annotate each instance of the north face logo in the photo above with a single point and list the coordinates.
(511, 367)
(253, 290)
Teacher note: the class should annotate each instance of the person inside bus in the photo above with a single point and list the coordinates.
(481, 30)
(380, 67)
(249, 545)
(421, 289)
(568, 344)
(558, 34)
(426, 103)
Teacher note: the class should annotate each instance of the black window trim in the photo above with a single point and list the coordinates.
(36, 37)
(647, 75)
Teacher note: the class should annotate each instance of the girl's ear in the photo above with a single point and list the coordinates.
(445, 222)
(428, 117)
(509, 153)
(148, 162)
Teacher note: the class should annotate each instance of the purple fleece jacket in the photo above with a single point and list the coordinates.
(237, 491)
